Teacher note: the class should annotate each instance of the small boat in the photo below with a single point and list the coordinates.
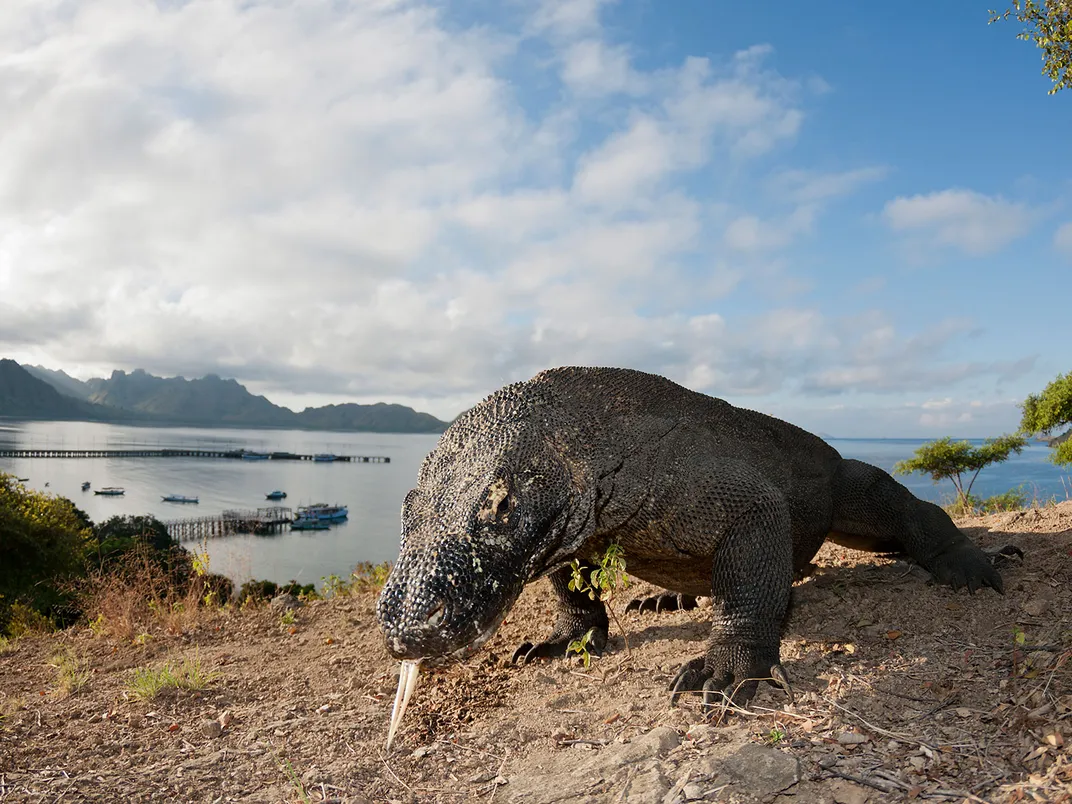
(85, 486)
(276, 495)
(110, 491)
(323, 512)
(179, 498)
(324, 457)
(22, 479)
(254, 456)
(308, 524)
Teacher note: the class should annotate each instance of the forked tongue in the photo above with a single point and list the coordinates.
(407, 680)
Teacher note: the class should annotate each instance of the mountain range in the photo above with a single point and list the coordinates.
(35, 392)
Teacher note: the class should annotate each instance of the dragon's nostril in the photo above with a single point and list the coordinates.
(436, 616)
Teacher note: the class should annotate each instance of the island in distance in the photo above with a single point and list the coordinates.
(34, 392)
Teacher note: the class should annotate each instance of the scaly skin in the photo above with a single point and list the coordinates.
(705, 498)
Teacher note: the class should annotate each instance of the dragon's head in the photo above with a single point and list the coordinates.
(490, 512)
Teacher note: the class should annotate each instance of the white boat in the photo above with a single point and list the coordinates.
(322, 512)
(110, 491)
(179, 498)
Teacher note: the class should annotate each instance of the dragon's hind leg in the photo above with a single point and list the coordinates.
(872, 511)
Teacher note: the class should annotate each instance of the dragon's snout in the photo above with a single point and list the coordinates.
(415, 625)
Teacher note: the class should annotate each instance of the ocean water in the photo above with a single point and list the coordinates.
(373, 492)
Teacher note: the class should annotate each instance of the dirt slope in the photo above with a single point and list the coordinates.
(904, 690)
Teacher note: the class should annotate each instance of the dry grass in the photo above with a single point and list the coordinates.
(72, 673)
(139, 599)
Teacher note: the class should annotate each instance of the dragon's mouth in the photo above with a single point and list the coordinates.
(407, 677)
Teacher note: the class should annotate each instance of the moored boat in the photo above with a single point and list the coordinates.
(179, 498)
(254, 456)
(276, 495)
(110, 491)
(323, 512)
(324, 457)
(309, 524)
(85, 486)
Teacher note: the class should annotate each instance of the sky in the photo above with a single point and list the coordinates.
(854, 217)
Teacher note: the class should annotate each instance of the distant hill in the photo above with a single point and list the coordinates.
(61, 381)
(378, 418)
(24, 396)
(209, 401)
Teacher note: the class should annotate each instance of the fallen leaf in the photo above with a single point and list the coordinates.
(893, 634)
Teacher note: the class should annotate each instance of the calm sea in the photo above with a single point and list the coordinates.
(373, 492)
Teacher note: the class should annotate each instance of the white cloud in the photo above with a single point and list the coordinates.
(1062, 238)
(970, 221)
(808, 187)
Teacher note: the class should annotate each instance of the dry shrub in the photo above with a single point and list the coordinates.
(138, 595)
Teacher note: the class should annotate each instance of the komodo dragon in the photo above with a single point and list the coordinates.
(704, 497)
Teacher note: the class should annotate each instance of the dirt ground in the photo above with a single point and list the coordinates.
(904, 690)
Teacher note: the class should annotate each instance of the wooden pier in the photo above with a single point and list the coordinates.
(260, 521)
(168, 452)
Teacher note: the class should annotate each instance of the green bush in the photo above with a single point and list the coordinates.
(1011, 500)
(43, 542)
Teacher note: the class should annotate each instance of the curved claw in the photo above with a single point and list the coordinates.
(966, 566)
(667, 601)
(690, 678)
(555, 648)
(694, 676)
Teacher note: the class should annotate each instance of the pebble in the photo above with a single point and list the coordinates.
(852, 738)
(211, 729)
(692, 791)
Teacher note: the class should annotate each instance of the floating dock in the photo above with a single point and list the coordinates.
(260, 521)
(166, 452)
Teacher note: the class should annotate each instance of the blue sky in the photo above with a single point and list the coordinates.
(854, 217)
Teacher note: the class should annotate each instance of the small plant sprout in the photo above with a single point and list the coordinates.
(580, 646)
(287, 617)
(602, 583)
(148, 682)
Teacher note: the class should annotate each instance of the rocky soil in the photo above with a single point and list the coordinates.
(904, 690)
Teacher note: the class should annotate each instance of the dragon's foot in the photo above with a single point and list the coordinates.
(965, 565)
(668, 601)
(555, 646)
(729, 676)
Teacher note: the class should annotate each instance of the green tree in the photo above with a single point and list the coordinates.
(1046, 411)
(946, 459)
(121, 534)
(43, 541)
(1049, 25)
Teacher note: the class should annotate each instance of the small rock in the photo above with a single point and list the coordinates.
(134, 720)
(848, 793)
(423, 751)
(211, 729)
(692, 791)
(852, 738)
(701, 732)
(1036, 607)
(226, 718)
